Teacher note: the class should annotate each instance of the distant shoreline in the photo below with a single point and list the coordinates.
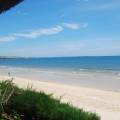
(25, 57)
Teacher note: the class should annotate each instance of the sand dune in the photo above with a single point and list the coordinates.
(105, 103)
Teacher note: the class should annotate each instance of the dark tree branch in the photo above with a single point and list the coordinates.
(8, 4)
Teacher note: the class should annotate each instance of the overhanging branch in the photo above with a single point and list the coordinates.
(8, 4)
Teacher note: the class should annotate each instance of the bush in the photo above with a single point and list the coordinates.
(30, 105)
(5, 116)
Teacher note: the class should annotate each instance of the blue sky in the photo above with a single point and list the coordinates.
(47, 28)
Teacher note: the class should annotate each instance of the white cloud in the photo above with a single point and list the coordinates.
(40, 32)
(33, 34)
(71, 25)
(75, 26)
(7, 38)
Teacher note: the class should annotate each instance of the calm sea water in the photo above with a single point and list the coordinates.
(65, 63)
(94, 72)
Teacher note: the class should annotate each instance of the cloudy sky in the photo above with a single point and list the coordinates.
(47, 28)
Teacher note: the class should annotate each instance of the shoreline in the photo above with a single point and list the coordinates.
(104, 103)
(98, 80)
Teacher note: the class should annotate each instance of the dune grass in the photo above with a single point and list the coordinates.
(28, 104)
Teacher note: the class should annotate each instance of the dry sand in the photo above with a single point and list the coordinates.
(105, 103)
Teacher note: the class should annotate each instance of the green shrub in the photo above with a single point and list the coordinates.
(5, 116)
(30, 105)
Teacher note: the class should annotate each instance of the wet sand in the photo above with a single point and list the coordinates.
(102, 80)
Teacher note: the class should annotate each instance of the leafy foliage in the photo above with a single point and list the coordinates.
(31, 105)
(6, 91)
(5, 116)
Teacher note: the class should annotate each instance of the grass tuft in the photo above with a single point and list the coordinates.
(31, 105)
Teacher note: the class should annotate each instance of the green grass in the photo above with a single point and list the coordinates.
(31, 105)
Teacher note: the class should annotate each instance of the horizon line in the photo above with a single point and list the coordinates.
(58, 56)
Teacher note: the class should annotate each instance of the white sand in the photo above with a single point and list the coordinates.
(105, 103)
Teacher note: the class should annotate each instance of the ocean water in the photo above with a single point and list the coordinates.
(110, 63)
(94, 72)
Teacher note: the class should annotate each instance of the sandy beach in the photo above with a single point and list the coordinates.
(105, 103)
(66, 48)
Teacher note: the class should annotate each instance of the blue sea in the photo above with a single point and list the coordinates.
(109, 63)
(94, 72)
